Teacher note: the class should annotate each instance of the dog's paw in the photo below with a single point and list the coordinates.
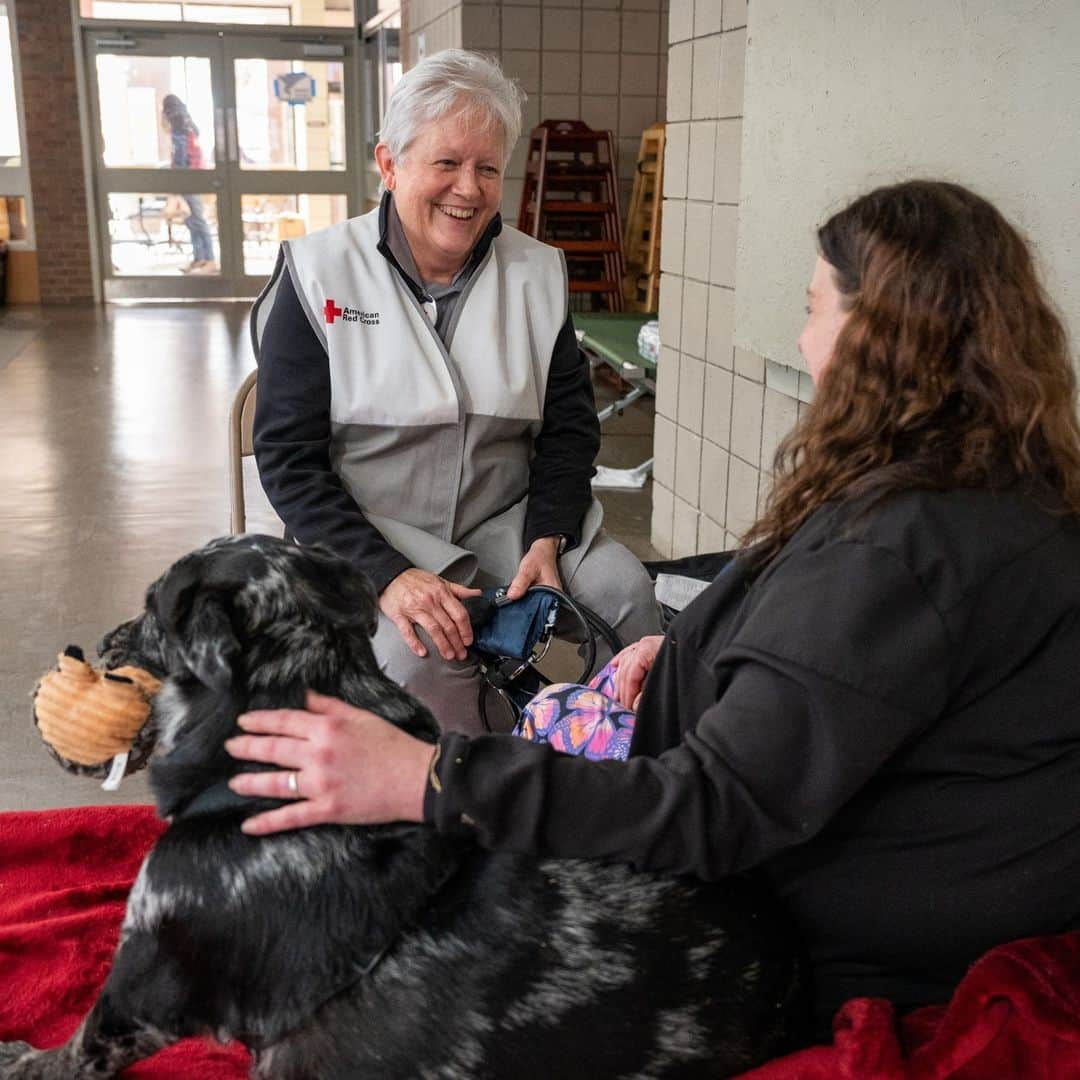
(10, 1054)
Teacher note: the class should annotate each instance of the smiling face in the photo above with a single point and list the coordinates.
(826, 313)
(447, 188)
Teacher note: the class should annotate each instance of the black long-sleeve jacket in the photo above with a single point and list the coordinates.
(886, 720)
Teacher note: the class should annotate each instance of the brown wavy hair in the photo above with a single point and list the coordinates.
(952, 369)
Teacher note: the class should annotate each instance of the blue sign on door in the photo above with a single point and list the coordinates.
(296, 88)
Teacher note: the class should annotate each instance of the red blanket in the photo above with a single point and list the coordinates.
(65, 874)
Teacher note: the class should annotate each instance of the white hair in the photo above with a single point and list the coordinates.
(450, 82)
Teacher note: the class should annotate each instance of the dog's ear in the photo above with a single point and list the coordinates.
(195, 615)
(339, 591)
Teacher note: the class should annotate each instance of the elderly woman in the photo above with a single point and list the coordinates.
(876, 702)
(423, 406)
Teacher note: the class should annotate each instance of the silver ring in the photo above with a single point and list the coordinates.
(293, 783)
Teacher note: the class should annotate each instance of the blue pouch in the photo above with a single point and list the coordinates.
(513, 628)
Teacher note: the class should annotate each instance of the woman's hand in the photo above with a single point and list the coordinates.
(538, 567)
(349, 766)
(631, 667)
(415, 596)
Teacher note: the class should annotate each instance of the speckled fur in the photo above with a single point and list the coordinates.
(486, 966)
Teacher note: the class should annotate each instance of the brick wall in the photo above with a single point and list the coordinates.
(721, 411)
(54, 149)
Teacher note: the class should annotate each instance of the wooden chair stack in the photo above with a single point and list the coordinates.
(641, 242)
(571, 200)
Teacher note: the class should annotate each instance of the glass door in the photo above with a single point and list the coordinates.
(292, 145)
(212, 148)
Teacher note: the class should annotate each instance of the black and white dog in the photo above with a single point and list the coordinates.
(386, 952)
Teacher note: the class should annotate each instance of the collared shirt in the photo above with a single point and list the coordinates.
(438, 300)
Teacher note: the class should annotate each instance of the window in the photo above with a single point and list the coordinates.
(252, 12)
(10, 143)
(16, 227)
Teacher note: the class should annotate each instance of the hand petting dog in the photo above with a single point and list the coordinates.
(338, 764)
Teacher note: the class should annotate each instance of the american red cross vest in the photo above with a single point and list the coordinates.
(432, 441)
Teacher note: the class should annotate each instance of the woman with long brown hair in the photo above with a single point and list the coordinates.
(875, 704)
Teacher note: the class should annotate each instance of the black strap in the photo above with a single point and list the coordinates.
(502, 673)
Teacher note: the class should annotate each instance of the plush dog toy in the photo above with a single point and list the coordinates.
(95, 722)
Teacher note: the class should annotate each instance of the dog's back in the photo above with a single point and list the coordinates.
(343, 952)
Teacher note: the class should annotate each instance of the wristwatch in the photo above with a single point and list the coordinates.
(564, 543)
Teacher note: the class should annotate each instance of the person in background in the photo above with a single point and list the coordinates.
(423, 406)
(876, 702)
(187, 154)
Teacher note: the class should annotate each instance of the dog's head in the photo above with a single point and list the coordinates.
(203, 610)
(243, 623)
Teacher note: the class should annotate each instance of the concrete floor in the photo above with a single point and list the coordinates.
(112, 465)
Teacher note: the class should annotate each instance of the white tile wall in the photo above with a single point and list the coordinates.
(521, 28)
(671, 296)
(707, 17)
(778, 418)
(698, 242)
(681, 20)
(701, 160)
(601, 112)
(641, 75)
(734, 13)
(676, 157)
(687, 465)
(714, 481)
(732, 65)
(597, 60)
(674, 228)
(725, 224)
(747, 404)
(728, 161)
(635, 115)
(600, 75)
(721, 326)
(521, 64)
(742, 496)
(663, 515)
(711, 535)
(480, 26)
(684, 528)
(695, 317)
(561, 72)
(641, 31)
(691, 394)
(598, 30)
(716, 417)
(680, 81)
(749, 365)
(706, 76)
(667, 383)
(664, 450)
(562, 30)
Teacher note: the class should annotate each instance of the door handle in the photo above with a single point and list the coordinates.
(231, 136)
(219, 128)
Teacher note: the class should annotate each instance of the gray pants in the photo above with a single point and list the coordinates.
(609, 579)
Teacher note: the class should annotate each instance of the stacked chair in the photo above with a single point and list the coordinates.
(571, 200)
(641, 242)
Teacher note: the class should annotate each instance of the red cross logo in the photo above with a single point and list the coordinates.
(331, 311)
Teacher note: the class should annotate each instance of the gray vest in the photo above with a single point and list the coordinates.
(432, 441)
